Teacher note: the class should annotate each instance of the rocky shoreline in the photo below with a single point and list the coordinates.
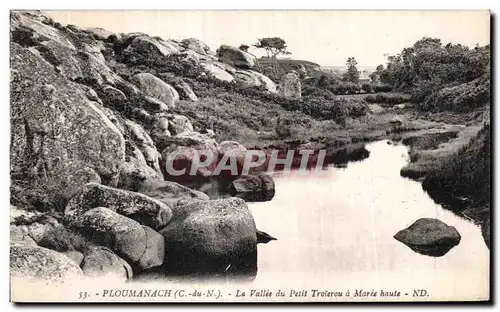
(95, 115)
(88, 195)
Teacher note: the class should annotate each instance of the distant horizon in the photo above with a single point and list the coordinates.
(327, 38)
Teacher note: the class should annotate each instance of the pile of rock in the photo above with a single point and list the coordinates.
(88, 151)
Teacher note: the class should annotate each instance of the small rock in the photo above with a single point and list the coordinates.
(263, 237)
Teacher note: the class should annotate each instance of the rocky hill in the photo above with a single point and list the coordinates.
(94, 116)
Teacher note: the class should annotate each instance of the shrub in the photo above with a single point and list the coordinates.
(388, 98)
(367, 87)
(462, 98)
(382, 87)
(344, 87)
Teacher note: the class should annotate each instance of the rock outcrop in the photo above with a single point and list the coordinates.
(196, 45)
(56, 131)
(290, 86)
(147, 46)
(429, 237)
(156, 88)
(235, 57)
(217, 71)
(213, 236)
(250, 78)
(90, 113)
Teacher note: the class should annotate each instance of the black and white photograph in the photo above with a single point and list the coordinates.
(250, 156)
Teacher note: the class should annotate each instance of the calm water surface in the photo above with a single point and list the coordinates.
(335, 232)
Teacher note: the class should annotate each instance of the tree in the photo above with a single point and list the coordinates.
(244, 47)
(273, 46)
(352, 74)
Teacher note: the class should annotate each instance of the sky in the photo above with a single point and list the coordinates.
(325, 37)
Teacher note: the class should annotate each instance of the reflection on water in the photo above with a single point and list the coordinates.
(338, 225)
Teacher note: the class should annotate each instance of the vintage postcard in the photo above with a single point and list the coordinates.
(250, 156)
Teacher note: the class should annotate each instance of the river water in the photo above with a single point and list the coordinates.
(335, 232)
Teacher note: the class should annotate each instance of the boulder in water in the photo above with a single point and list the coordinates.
(253, 187)
(216, 236)
(430, 237)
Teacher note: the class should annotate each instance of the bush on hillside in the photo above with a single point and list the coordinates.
(382, 87)
(367, 87)
(462, 98)
(387, 98)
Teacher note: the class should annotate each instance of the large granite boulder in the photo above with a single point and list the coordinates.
(156, 88)
(38, 263)
(56, 131)
(160, 131)
(102, 262)
(250, 79)
(105, 227)
(139, 245)
(212, 236)
(253, 188)
(99, 33)
(290, 86)
(217, 71)
(146, 46)
(145, 210)
(429, 236)
(235, 57)
(196, 45)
